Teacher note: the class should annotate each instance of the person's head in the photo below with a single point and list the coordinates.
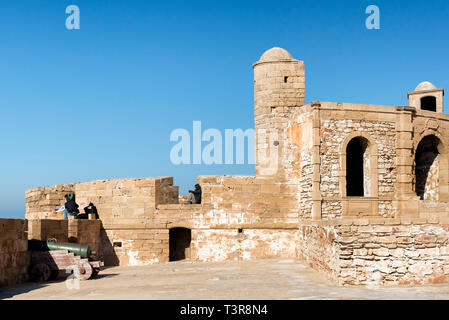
(197, 187)
(70, 196)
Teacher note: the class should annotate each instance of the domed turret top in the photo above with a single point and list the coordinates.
(275, 54)
(425, 86)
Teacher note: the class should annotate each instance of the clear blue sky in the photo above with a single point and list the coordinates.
(100, 102)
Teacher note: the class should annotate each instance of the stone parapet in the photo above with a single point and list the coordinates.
(14, 255)
(377, 251)
(48, 229)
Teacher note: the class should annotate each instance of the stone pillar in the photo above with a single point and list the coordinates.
(316, 162)
(406, 201)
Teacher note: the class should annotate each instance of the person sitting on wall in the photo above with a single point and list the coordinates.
(70, 207)
(91, 209)
(195, 195)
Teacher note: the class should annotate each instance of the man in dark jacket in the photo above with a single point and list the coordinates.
(90, 209)
(195, 195)
(70, 207)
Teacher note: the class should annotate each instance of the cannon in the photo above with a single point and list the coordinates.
(82, 250)
(48, 258)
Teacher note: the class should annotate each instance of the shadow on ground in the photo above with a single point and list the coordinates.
(11, 291)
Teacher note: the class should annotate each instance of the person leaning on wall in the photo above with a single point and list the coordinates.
(195, 195)
(70, 207)
(90, 209)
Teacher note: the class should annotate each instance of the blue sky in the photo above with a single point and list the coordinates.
(100, 102)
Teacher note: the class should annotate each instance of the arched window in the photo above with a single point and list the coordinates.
(357, 165)
(179, 243)
(429, 103)
(427, 168)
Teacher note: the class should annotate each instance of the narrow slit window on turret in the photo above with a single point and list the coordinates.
(285, 79)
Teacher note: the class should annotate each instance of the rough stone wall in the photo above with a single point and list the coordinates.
(228, 202)
(124, 206)
(240, 200)
(85, 232)
(48, 229)
(136, 221)
(378, 251)
(331, 209)
(305, 184)
(134, 247)
(298, 160)
(232, 244)
(427, 152)
(145, 240)
(118, 198)
(14, 257)
(75, 231)
(279, 87)
(40, 201)
(429, 209)
(333, 134)
(386, 209)
(316, 245)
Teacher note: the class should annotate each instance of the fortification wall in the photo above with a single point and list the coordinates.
(137, 214)
(298, 160)
(48, 229)
(243, 244)
(248, 200)
(14, 257)
(64, 231)
(229, 203)
(337, 128)
(118, 198)
(85, 232)
(378, 251)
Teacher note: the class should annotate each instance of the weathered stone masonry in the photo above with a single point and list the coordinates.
(378, 251)
(135, 228)
(359, 191)
(14, 257)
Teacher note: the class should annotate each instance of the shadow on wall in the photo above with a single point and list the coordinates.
(107, 252)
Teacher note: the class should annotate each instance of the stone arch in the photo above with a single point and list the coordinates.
(370, 161)
(179, 243)
(431, 167)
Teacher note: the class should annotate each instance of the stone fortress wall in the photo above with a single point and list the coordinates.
(359, 191)
(377, 251)
(14, 255)
(15, 233)
(236, 219)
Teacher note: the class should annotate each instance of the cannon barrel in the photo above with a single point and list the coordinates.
(82, 250)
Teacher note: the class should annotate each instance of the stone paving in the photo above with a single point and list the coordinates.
(234, 280)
